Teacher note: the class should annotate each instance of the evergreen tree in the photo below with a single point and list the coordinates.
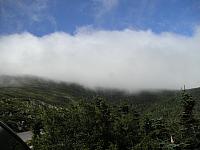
(189, 125)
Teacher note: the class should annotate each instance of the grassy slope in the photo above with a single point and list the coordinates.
(63, 93)
(158, 104)
(16, 92)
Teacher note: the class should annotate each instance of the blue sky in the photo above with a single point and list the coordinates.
(41, 17)
(132, 45)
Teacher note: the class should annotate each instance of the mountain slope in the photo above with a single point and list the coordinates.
(63, 93)
(19, 96)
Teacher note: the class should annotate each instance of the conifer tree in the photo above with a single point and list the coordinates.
(189, 125)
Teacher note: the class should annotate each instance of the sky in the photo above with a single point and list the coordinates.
(125, 44)
(41, 17)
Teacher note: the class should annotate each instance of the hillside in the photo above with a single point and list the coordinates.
(62, 93)
(32, 103)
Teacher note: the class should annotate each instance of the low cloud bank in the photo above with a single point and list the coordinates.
(129, 59)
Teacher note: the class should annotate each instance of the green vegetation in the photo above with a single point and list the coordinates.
(68, 116)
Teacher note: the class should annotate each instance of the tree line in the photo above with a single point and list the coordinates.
(102, 125)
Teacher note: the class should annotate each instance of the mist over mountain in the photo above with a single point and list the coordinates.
(131, 60)
(18, 81)
(100, 74)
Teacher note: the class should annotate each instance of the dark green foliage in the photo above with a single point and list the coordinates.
(189, 125)
(156, 135)
(68, 116)
(16, 113)
(88, 126)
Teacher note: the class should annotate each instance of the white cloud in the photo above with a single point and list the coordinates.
(129, 59)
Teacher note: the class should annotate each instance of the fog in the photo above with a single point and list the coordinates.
(129, 59)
